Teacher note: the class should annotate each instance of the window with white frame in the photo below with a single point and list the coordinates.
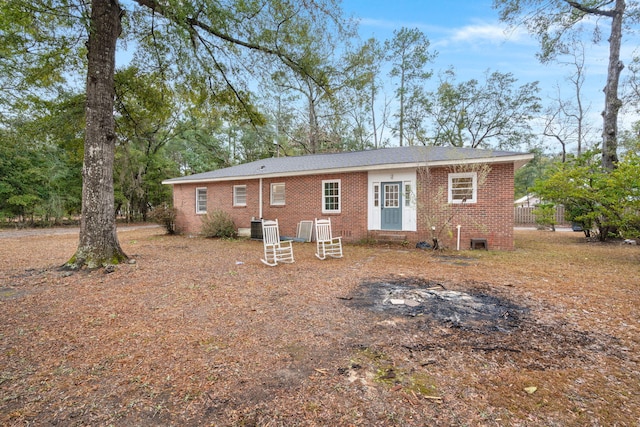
(239, 195)
(277, 193)
(201, 200)
(407, 194)
(331, 196)
(376, 194)
(463, 187)
(391, 195)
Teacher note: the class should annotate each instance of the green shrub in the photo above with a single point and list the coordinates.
(218, 224)
(545, 214)
(165, 216)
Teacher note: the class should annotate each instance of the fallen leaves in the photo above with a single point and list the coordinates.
(198, 331)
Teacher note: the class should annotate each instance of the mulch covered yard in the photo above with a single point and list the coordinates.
(200, 332)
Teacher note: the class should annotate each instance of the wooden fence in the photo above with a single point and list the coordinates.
(524, 215)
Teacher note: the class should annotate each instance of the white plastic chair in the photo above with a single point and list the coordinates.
(275, 250)
(326, 244)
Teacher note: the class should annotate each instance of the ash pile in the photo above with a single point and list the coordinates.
(468, 309)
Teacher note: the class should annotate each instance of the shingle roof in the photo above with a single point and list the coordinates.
(385, 158)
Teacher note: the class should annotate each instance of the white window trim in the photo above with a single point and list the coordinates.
(474, 197)
(331, 181)
(393, 197)
(278, 202)
(376, 195)
(198, 210)
(408, 195)
(235, 195)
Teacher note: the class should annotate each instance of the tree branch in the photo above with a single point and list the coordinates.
(591, 10)
(194, 22)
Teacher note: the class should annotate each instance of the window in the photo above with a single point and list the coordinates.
(463, 187)
(376, 194)
(331, 196)
(407, 194)
(239, 195)
(391, 195)
(201, 200)
(277, 194)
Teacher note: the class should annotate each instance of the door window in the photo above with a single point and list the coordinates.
(391, 195)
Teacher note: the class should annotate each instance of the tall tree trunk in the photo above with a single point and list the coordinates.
(314, 127)
(401, 121)
(612, 103)
(99, 244)
(373, 114)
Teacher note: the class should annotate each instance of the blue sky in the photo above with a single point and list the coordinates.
(468, 35)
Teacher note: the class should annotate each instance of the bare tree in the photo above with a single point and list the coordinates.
(567, 122)
(552, 21)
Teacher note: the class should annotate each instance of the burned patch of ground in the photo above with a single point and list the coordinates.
(472, 319)
(471, 310)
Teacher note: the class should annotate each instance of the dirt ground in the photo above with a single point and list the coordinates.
(198, 332)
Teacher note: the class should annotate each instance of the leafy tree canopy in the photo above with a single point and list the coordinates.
(606, 201)
(483, 114)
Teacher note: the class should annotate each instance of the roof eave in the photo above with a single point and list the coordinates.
(518, 160)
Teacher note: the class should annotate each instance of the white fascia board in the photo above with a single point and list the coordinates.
(519, 160)
(296, 173)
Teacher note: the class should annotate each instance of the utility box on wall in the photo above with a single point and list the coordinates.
(479, 244)
(256, 229)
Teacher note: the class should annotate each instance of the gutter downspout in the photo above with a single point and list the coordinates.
(458, 244)
(260, 200)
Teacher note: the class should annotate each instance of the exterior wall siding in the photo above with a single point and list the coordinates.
(491, 218)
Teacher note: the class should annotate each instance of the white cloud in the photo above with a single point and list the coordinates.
(485, 32)
(478, 33)
(482, 33)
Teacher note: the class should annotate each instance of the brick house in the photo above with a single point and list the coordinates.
(402, 193)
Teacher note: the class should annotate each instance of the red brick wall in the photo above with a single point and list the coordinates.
(303, 201)
(219, 196)
(490, 218)
(184, 200)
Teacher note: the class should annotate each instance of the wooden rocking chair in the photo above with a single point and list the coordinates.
(326, 244)
(275, 250)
